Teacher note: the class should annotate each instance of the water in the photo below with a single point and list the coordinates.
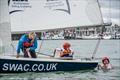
(83, 49)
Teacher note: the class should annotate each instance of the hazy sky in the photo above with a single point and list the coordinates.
(110, 10)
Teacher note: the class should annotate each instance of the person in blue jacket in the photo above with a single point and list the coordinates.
(28, 44)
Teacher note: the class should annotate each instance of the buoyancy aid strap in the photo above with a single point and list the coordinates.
(67, 51)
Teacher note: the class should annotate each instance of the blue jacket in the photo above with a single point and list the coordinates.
(23, 39)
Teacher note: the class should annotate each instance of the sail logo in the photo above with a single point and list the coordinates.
(17, 0)
(20, 0)
(28, 67)
(58, 5)
(55, 5)
(18, 5)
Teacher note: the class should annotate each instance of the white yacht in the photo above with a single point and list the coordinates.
(107, 36)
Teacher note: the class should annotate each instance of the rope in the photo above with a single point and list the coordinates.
(98, 43)
(96, 48)
(41, 43)
(45, 54)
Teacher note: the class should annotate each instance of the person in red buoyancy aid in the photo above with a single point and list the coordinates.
(28, 44)
(105, 64)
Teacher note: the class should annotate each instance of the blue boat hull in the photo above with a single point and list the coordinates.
(17, 65)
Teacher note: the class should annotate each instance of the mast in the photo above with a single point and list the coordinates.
(5, 30)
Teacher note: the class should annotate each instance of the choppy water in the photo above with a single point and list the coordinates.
(82, 48)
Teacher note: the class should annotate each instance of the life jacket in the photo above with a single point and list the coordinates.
(66, 53)
(27, 44)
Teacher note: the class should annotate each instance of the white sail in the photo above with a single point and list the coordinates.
(52, 14)
(5, 30)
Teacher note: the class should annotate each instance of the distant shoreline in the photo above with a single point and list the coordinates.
(75, 39)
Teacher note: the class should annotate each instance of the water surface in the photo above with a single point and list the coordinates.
(82, 49)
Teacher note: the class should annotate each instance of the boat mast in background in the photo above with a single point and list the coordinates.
(5, 29)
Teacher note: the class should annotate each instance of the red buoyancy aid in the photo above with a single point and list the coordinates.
(27, 44)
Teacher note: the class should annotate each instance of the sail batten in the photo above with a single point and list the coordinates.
(28, 15)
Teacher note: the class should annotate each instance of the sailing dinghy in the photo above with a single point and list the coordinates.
(44, 15)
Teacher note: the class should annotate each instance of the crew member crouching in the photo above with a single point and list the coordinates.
(28, 44)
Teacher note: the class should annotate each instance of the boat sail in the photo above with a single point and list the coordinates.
(53, 14)
(29, 15)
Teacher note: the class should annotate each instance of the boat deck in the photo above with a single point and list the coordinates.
(49, 59)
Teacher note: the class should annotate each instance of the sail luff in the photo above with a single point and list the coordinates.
(100, 12)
